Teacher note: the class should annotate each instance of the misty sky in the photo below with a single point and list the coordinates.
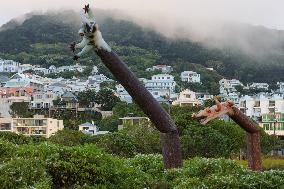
(268, 13)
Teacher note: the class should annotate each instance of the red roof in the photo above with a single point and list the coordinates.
(13, 90)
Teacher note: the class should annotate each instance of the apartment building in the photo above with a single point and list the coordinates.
(190, 77)
(36, 126)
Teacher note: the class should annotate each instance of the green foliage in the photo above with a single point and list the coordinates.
(14, 138)
(20, 109)
(107, 99)
(204, 141)
(117, 143)
(48, 166)
(67, 137)
(122, 109)
(86, 98)
(73, 119)
(23, 172)
(145, 136)
(109, 124)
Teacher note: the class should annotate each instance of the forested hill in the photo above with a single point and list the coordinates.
(43, 39)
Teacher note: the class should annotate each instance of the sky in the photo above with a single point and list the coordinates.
(268, 13)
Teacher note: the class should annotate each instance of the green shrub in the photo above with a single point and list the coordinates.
(117, 143)
(67, 137)
(14, 138)
(24, 172)
(7, 150)
(90, 166)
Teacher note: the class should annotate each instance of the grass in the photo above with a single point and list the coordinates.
(267, 163)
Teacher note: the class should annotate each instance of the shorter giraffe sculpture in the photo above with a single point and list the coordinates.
(253, 134)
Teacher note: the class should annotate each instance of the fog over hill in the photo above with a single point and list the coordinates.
(235, 50)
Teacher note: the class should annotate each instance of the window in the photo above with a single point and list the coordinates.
(257, 104)
(271, 103)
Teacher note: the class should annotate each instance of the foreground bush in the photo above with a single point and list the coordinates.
(47, 166)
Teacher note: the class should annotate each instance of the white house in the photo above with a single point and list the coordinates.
(187, 98)
(259, 86)
(91, 129)
(24, 80)
(228, 86)
(52, 69)
(267, 110)
(163, 68)
(43, 99)
(99, 78)
(92, 85)
(161, 83)
(281, 86)
(24, 67)
(190, 77)
(9, 66)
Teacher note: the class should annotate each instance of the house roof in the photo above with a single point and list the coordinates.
(68, 95)
(3, 78)
(87, 124)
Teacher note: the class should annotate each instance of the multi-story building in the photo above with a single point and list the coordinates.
(24, 80)
(267, 110)
(228, 86)
(132, 121)
(163, 68)
(43, 100)
(161, 83)
(264, 86)
(9, 66)
(91, 129)
(25, 67)
(187, 98)
(16, 94)
(36, 126)
(281, 87)
(190, 77)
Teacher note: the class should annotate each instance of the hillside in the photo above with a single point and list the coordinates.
(43, 39)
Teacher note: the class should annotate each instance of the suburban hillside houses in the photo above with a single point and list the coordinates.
(190, 77)
(41, 92)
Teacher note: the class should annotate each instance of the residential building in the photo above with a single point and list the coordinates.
(52, 69)
(264, 86)
(91, 129)
(5, 124)
(228, 86)
(36, 126)
(43, 100)
(25, 80)
(68, 101)
(266, 109)
(25, 67)
(281, 87)
(187, 98)
(9, 66)
(99, 78)
(58, 88)
(190, 77)
(16, 94)
(3, 80)
(161, 84)
(203, 97)
(132, 121)
(163, 68)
